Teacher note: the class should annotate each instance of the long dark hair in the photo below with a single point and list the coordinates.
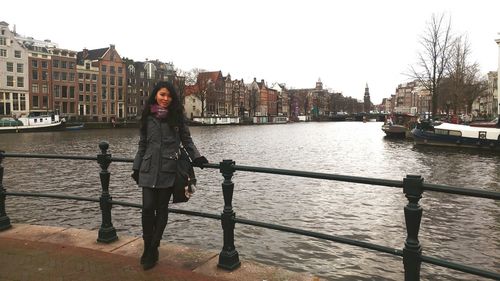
(175, 115)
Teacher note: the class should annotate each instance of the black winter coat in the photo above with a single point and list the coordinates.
(158, 151)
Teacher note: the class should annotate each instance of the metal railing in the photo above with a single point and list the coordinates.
(413, 187)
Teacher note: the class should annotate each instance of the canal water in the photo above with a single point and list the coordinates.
(457, 228)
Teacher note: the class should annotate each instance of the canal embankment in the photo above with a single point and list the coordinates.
(32, 252)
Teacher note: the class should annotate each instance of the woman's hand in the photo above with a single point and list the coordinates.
(198, 162)
(135, 176)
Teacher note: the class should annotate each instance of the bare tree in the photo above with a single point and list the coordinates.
(434, 58)
(465, 83)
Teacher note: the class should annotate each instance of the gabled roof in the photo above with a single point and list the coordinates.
(212, 75)
(91, 54)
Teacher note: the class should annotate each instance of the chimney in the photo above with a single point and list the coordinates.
(112, 46)
(85, 53)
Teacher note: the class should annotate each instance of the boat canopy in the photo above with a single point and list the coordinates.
(10, 122)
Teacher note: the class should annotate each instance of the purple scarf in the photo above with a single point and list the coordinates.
(159, 112)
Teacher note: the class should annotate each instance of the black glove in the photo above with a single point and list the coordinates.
(198, 162)
(135, 176)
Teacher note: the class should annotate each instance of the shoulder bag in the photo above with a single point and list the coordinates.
(185, 180)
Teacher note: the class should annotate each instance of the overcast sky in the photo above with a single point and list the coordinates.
(346, 44)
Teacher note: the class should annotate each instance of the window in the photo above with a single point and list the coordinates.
(87, 65)
(112, 80)
(34, 74)
(94, 88)
(112, 69)
(45, 101)
(80, 76)
(20, 81)
(45, 89)
(57, 91)
(71, 77)
(44, 75)
(35, 101)
(80, 97)
(34, 88)
(10, 66)
(103, 80)
(3, 41)
(103, 68)
(87, 88)
(56, 75)
(103, 108)
(94, 77)
(120, 70)
(104, 93)
(71, 65)
(34, 63)
(15, 101)
(17, 54)
(22, 97)
(44, 64)
(55, 63)
(64, 76)
(64, 64)
(71, 92)
(20, 68)
(80, 87)
(87, 76)
(64, 93)
(10, 81)
(3, 53)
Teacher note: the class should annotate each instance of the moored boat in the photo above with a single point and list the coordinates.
(398, 125)
(31, 123)
(448, 134)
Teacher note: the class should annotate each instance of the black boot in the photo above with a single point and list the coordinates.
(147, 248)
(151, 257)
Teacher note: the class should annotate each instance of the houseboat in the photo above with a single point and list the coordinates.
(448, 134)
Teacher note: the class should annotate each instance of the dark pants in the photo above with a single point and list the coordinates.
(154, 213)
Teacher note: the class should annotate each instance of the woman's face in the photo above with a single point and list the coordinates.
(163, 97)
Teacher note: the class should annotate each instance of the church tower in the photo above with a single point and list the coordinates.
(367, 102)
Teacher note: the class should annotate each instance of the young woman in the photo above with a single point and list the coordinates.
(163, 129)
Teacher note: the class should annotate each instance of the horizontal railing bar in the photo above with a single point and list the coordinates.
(50, 156)
(365, 180)
(123, 160)
(342, 240)
(473, 192)
(461, 267)
(50, 195)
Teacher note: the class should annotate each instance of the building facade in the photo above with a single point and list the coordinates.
(14, 85)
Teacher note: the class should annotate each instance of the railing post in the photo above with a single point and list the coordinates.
(228, 257)
(4, 219)
(412, 252)
(107, 232)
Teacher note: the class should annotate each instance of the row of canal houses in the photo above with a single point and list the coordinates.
(99, 85)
